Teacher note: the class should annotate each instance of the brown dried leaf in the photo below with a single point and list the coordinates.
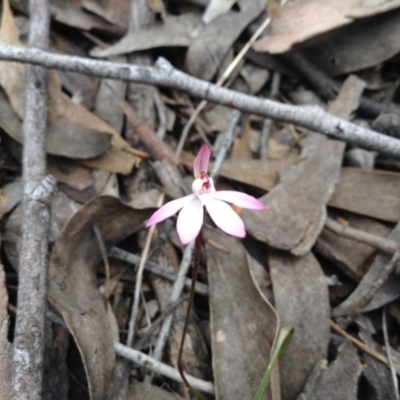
(358, 46)
(62, 109)
(337, 381)
(298, 203)
(360, 191)
(62, 138)
(175, 31)
(5, 346)
(298, 21)
(302, 301)
(208, 50)
(72, 289)
(243, 324)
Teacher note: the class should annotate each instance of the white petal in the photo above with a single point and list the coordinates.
(169, 209)
(225, 218)
(190, 221)
(240, 199)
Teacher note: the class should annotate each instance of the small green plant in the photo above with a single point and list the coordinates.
(284, 338)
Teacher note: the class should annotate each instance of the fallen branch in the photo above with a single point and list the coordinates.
(164, 74)
(28, 346)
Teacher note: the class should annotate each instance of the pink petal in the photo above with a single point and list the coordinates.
(240, 199)
(169, 209)
(190, 220)
(225, 218)
(201, 161)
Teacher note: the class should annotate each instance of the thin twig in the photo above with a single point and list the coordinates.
(139, 279)
(147, 334)
(156, 366)
(229, 136)
(176, 293)
(221, 81)
(164, 74)
(103, 252)
(266, 129)
(389, 355)
(155, 269)
(28, 347)
(362, 346)
(383, 244)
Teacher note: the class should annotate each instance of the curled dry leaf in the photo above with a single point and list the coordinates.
(243, 324)
(5, 346)
(302, 301)
(72, 288)
(299, 21)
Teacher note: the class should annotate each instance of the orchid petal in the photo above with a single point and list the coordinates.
(201, 161)
(169, 209)
(240, 199)
(225, 218)
(190, 220)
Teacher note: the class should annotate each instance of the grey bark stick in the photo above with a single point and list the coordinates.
(28, 347)
(164, 74)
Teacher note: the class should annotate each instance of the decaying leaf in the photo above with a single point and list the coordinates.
(296, 22)
(5, 346)
(243, 325)
(337, 381)
(72, 289)
(302, 301)
(207, 51)
(178, 31)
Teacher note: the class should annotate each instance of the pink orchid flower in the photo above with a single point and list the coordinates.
(191, 217)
